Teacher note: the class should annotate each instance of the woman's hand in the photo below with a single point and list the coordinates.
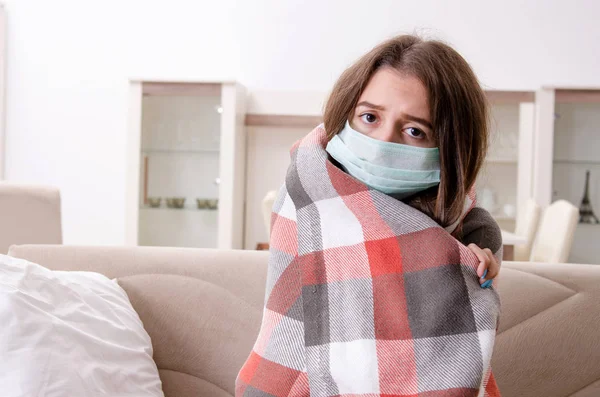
(488, 267)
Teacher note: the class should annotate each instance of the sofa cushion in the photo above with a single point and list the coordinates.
(202, 308)
(547, 342)
(70, 334)
(199, 329)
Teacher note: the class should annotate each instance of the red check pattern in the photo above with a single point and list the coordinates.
(366, 296)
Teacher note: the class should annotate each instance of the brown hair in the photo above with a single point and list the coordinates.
(459, 113)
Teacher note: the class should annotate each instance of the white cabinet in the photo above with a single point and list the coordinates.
(2, 88)
(507, 174)
(568, 145)
(187, 142)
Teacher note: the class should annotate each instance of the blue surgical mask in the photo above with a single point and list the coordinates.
(392, 168)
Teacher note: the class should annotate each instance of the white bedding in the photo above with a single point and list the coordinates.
(70, 334)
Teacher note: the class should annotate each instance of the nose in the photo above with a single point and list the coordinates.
(385, 133)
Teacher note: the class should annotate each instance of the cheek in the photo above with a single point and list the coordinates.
(376, 131)
(358, 125)
(355, 123)
(429, 144)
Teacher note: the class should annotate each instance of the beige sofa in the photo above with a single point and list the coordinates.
(202, 309)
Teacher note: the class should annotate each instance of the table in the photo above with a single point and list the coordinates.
(509, 240)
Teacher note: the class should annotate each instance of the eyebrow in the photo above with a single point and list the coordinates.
(370, 105)
(406, 116)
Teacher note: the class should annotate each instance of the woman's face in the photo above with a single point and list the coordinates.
(394, 108)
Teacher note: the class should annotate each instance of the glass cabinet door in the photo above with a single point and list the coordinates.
(503, 186)
(576, 166)
(179, 168)
(497, 187)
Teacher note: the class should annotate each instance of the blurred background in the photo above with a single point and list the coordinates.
(118, 104)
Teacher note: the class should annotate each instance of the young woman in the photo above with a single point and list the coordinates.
(381, 265)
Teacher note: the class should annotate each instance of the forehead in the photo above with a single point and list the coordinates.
(397, 92)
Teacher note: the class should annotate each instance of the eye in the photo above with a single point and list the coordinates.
(368, 118)
(414, 133)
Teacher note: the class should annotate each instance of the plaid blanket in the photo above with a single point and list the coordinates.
(366, 296)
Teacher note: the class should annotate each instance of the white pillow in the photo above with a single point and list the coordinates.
(70, 334)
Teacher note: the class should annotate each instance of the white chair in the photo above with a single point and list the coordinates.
(29, 215)
(527, 225)
(555, 236)
(267, 209)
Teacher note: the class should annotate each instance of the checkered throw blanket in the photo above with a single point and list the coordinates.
(366, 296)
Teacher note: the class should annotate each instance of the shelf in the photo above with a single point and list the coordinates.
(497, 160)
(582, 162)
(498, 97)
(504, 218)
(588, 224)
(280, 120)
(169, 88)
(177, 151)
(577, 95)
(185, 209)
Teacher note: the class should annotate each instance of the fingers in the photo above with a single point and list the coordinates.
(483, 259)
(494, 266)
(488, 267)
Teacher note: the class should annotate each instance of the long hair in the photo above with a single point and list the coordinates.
(459, 113)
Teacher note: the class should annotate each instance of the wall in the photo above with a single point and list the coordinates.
(69, 61)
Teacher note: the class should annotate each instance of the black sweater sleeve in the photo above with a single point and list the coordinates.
(481, 229)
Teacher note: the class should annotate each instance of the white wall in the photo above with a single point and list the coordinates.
(69, 60)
